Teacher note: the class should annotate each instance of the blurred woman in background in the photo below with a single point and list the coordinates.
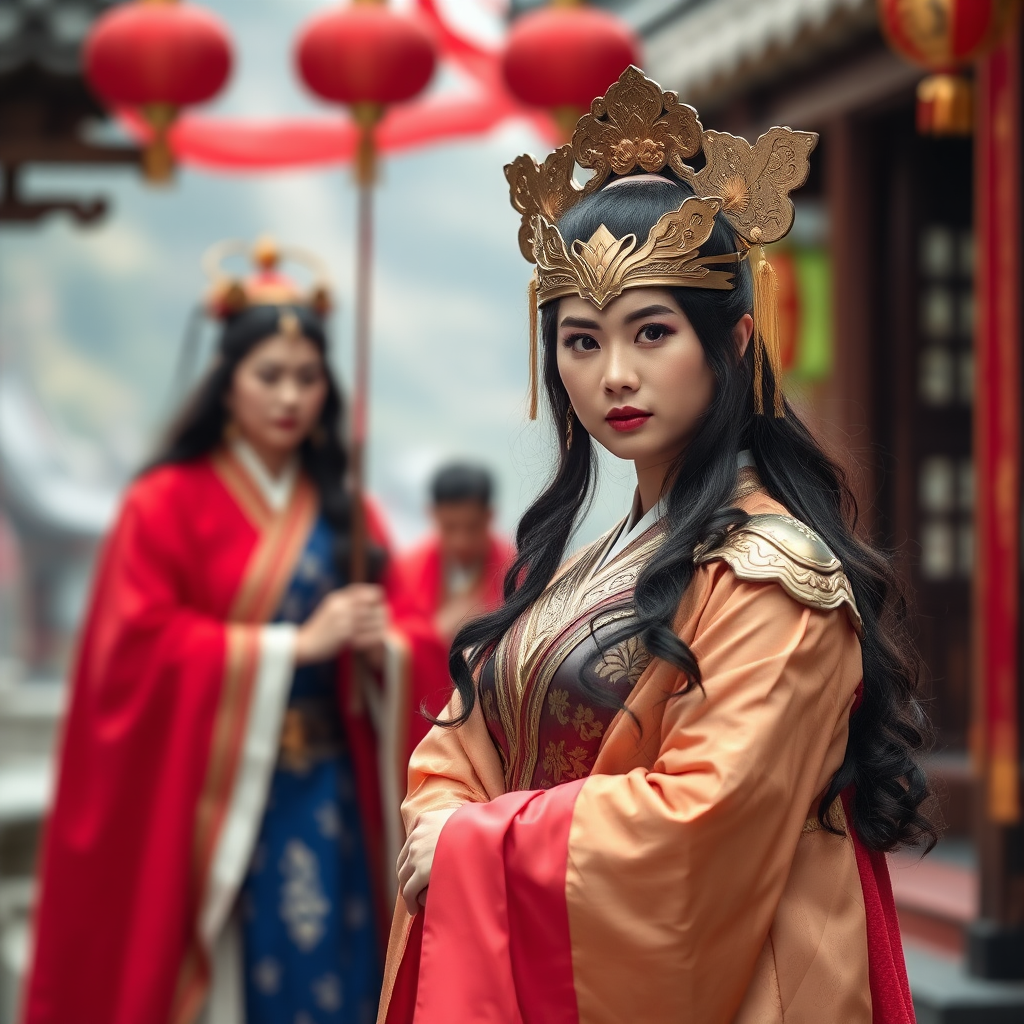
(229, 783)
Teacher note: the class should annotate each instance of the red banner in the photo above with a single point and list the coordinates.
(997, 426)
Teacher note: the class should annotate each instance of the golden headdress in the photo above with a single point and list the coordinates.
(637, 128)
(230, 294)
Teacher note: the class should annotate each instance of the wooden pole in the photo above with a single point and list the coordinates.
(367, 115)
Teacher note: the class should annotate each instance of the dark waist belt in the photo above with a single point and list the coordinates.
(311, 731)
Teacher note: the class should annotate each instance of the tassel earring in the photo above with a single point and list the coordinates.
(569, 417)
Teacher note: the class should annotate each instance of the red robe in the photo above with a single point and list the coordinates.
(422, 577)
(162, 690)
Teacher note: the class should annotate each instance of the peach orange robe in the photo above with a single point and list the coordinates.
(685, 877)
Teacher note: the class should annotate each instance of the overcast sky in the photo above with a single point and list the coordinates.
(94, 317)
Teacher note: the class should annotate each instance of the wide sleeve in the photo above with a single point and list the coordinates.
(450, 767)
(668, 863)
(382, 711)
(167, 748)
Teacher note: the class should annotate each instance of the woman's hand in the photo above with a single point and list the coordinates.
(354, 616)
(417, 857)
(370, 622)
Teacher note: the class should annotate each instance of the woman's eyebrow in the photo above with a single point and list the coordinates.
(647, 311)
(577, 321)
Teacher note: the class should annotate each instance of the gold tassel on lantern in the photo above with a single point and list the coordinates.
(945, 105)
(531, 299)
(767, 341)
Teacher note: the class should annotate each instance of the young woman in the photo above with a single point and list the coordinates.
(216, 843)
(664, 786)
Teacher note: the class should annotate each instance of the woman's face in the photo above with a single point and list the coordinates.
(278, 392)
(635, 373)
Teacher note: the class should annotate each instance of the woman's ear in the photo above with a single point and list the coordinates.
(741, 334)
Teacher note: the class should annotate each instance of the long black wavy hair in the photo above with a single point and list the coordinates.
(889, 726)
(200, 426)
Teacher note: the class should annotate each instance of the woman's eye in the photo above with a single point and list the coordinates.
(653, 332)
(269, 377)
(309, 378)
(581, 343)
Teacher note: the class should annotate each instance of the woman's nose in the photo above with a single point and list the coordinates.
(620, 372)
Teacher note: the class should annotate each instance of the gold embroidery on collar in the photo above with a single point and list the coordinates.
(530, 653)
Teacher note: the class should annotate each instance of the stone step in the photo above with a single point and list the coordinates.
(936, 899)
(945, 994)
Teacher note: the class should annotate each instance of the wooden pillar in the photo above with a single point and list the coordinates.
(996, 942)
(846, 400)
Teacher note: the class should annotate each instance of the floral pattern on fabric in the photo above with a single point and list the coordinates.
(558, 705)
(490, 713)
(572, 728)
(625, 662)
(304, 906)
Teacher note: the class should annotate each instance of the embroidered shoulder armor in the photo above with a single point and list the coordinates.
(785, 551)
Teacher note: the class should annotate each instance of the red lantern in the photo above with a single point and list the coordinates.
(366, 56)
(563, 56)
(943, 35)
(157, 55)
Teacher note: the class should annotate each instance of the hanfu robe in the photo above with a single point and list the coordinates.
(662, 864)
(423, 580)
(179, 706)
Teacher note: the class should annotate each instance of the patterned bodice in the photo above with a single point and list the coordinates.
(544, 723)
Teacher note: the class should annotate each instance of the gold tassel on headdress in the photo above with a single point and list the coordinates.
(767, 343)
(531, 299)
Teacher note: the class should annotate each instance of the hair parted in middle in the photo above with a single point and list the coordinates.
(200, 426)
(889, 726)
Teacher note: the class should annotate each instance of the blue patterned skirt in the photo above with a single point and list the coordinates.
(310, 942)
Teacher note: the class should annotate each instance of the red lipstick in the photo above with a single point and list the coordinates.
(627, 418)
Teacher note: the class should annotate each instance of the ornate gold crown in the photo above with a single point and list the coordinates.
(230, 294)
(636, 127)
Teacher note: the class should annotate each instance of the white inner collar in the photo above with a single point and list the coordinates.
(276, 490)
(634, 525)
(637, 524)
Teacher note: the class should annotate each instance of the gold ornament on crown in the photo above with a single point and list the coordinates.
(637, 128)
(230, 293)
